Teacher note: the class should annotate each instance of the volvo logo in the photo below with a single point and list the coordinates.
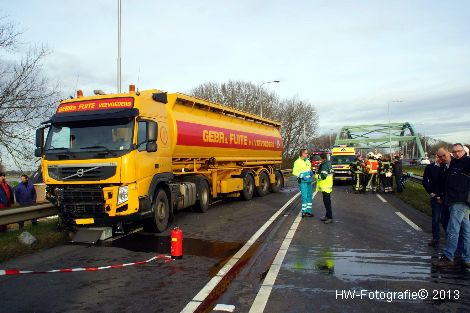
(80, 172)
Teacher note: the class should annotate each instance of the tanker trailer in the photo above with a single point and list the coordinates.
(111, 159)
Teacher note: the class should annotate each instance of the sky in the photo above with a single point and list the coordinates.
(351, 59)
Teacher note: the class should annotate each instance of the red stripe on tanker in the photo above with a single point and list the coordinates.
(191, 134)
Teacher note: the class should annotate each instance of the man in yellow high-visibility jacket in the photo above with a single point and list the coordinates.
(324, 179)
(303, 171)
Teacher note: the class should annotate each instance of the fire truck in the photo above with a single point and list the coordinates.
(315, 157)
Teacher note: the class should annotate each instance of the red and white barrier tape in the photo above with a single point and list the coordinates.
(86, 269)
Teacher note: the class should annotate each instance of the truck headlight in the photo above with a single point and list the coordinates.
(123, 194)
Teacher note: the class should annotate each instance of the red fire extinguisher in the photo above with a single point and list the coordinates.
(176, 243)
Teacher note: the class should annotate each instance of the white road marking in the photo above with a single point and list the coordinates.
(224, 307)
(408, 221)
(262, 297)
(207, 289)
(381, 198)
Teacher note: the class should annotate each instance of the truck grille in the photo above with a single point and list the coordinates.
(83, 201)
(87, 172)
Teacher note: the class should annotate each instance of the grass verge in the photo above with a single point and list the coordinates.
(415, 195)
(45, 232)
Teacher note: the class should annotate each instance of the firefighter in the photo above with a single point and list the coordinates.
(386, 171)
(303, 171)
(371, 171)
(357, 171)
(379, 180)
(324, 180)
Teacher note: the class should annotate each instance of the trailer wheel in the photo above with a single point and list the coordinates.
(161, 211)
(264, 185)
(248, 187)
(202, 204)
(279, 181)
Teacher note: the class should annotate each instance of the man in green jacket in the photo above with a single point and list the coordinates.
(303, 171)
(325, 186)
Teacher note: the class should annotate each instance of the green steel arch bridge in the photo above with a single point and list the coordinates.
(385, 136)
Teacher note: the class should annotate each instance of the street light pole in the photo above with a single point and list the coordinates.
(260, 102)
(389, 129)
(119, 49)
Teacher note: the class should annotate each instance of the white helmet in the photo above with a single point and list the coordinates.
(370, 155)
(378, 156)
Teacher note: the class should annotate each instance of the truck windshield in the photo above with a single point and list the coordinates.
(342, 159)
(103, 136)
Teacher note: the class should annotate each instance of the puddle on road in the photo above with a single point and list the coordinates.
(361, 264)
(139, 242)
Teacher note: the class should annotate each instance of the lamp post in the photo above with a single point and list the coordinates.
(260, 102)
(331, 129)
(424, 139)
(119, 49)
(389, 128)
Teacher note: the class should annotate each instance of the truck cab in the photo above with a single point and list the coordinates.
(341, 158)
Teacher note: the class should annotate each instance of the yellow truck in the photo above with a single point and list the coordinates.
(341, 158)
(112, 159)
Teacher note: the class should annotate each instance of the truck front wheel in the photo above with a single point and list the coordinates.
(161, 213)
(204, 196)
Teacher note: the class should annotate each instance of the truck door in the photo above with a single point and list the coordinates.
(145, 162)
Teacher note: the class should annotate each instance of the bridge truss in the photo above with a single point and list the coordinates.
(388, 137)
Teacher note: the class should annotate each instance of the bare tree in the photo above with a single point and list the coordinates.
(323, 142)
(26, 98)
(299, 118)
(244, 96)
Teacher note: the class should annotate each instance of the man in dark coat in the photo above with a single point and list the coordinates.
(25, 194)
(398, 173)
(457, 190)
(431, 182)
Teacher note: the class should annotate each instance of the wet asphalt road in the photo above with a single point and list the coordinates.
(368, 247)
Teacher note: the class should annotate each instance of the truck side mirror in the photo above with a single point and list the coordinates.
(152, 131)
(151, 146)
(38, 152)
(40, 137)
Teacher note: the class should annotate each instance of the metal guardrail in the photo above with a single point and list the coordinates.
(416, 178)
(15, 215)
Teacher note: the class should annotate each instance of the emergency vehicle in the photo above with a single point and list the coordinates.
(341, 158)
(315, 157)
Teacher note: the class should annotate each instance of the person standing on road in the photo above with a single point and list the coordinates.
(398, 173)
(6, 197)
(387, 174)
(431, 178)
(357, 169)
(25, 194)
(371, 170)
(302, 169)
(324, 179)
(457, 197)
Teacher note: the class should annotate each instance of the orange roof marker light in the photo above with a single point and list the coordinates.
(131, 88)
(79, 93)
